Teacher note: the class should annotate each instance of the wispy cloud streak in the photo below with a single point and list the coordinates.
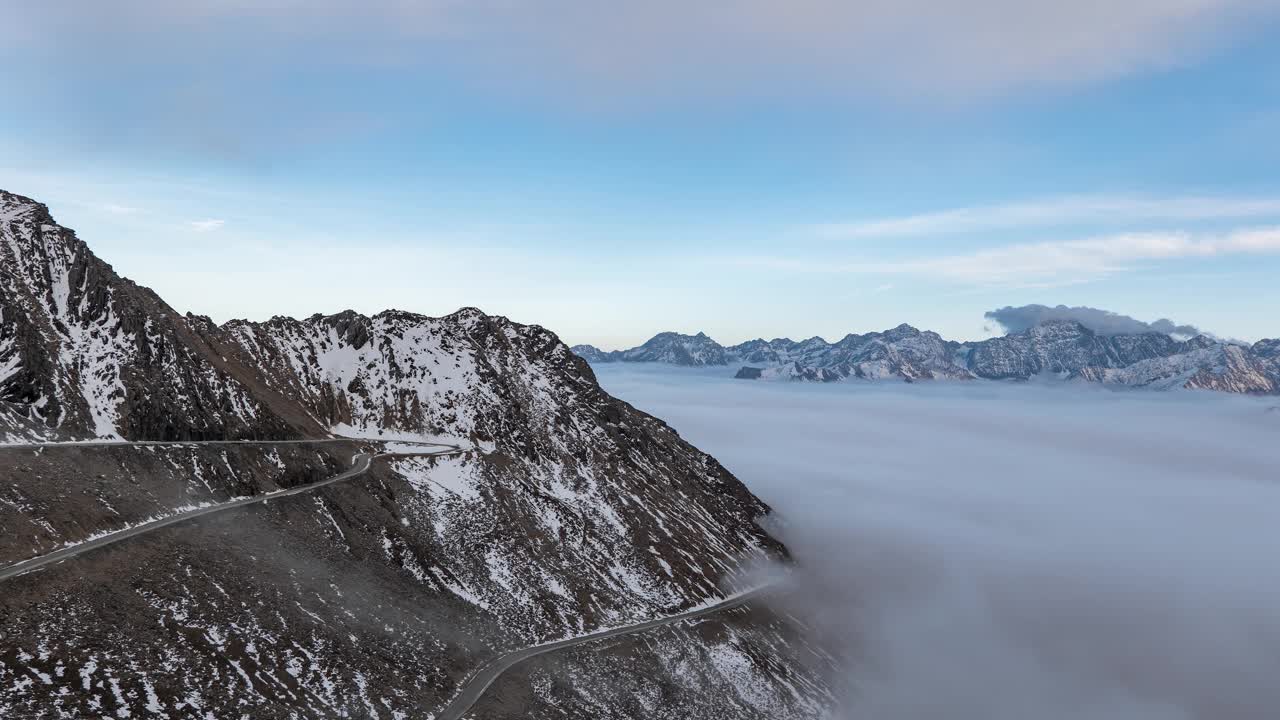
(1046, 264)
(206, 225)
(1072, 210)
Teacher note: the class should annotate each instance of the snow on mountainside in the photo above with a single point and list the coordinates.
(670, 347)
(1228, 368)
(1064, 347)
(375, 597)
(592, 354)
(1061, 348)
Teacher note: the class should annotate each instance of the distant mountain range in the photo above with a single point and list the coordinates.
(1060, 348)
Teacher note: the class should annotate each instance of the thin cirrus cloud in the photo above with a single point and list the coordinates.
(1050, 264)
(959, 51)
(206, 225)
(1053, 211)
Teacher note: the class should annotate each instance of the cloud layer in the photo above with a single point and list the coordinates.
(1103, 322)
(1013, 552)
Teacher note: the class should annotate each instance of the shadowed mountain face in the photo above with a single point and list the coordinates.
(1061, 348)
(375, 597)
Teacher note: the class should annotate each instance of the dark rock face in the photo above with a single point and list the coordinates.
(1059, 348)
(376, 596)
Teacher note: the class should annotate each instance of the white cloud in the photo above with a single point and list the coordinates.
(1047, 264)
(206, 225)
(1054, 211)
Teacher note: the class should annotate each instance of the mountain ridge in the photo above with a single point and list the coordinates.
(1063, 348)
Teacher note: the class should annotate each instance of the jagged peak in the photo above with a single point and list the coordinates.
(1054, 326)
(1201, 342)
(1268, 348)
(468, 313)
(14, 201)
(672, 335)
(851, 339)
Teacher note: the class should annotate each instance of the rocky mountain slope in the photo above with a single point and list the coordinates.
(371, 598)
(86, 353)
(1063, 349)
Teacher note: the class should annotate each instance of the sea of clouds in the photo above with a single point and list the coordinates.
(1013, 552)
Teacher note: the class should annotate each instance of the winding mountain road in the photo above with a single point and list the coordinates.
(474, 687)
(359, 467)
(169, 443)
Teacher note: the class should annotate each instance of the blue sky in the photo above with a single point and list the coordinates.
(752, 168)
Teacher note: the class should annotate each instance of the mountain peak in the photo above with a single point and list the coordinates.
(12, 204)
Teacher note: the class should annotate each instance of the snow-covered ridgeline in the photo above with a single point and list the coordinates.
(1065, 349)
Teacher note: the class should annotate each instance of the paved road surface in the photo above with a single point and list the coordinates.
(148, 443)
(358, 468)
(473, 689)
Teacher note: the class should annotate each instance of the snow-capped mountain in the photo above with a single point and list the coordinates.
(1064, 349)
(572, 511)
(1215, 366)
(668, 347)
